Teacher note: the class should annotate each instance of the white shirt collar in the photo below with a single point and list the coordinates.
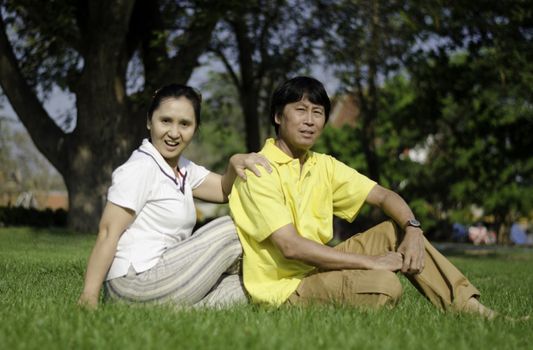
(149, 148)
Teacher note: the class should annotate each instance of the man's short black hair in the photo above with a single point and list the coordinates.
(294, 90)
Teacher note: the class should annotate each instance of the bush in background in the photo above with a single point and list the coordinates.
(18, 216)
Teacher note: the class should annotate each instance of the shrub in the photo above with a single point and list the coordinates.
(18, 216)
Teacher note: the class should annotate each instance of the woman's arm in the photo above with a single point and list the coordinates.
(115, 220)
(216, 188)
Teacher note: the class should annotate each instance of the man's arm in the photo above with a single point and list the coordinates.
(412, 245)
(295, 247)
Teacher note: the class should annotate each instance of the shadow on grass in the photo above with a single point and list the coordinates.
(52, 230)
(465, 250)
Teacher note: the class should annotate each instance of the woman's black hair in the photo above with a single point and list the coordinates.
(177, 91)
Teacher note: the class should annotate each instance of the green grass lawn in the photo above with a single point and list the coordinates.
(41, 274)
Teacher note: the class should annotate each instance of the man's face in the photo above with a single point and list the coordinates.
(300, 124)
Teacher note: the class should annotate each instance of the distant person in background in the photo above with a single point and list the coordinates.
(284, 221)
(146, 250)
(459, 232)
(518, 233)
(479, 234)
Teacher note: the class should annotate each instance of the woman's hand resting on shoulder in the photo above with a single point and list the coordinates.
(250, 161)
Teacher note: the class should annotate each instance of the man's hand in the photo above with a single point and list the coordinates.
(412, 250)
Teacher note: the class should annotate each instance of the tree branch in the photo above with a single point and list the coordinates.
(195, 42)
(217, 51)
(264, 33)
(46, 135)
(147, 22)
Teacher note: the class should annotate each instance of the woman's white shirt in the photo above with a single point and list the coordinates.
(164, 215)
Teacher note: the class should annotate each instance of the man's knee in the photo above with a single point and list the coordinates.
(389, 227)
(391, 286)
(390, 233)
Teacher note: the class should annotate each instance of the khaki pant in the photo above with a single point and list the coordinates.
(440, 281)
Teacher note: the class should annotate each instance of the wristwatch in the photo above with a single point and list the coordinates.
(413, 223)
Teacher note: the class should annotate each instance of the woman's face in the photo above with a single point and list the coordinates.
(172, 128)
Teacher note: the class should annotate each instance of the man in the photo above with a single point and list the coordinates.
(284, 220)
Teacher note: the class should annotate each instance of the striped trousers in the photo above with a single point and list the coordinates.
(199, 271)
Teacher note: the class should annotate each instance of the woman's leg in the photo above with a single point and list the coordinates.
(188, 271)
(228, 291)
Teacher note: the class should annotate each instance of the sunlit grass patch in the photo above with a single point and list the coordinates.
(41, 276)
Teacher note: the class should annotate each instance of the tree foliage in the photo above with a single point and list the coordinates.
(444, 88)
(259, 43)
(220, 135)
(463, 102)
(367, 42)
(474, 84)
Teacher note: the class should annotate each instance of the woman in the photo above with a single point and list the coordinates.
(145, 250)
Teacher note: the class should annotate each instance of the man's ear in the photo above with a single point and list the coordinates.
(277, 118)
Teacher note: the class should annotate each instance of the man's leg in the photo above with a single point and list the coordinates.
(365, 288)
(441, 282)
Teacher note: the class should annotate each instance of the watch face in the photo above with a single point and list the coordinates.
(413, 222)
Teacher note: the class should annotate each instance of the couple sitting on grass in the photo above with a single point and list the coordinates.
(282, 204)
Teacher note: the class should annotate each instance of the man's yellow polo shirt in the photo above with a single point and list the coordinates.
(308, 198)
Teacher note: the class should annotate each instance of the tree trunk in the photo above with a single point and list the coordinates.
(370, 112)
(98, 145)
(369, 145)
(249, 103)
(86, 198)
(248, 87)
(368, 135)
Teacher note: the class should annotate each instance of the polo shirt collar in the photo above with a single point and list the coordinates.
(147, 147)
(274, 153)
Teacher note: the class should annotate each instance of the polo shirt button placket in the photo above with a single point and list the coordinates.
(295, 164)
